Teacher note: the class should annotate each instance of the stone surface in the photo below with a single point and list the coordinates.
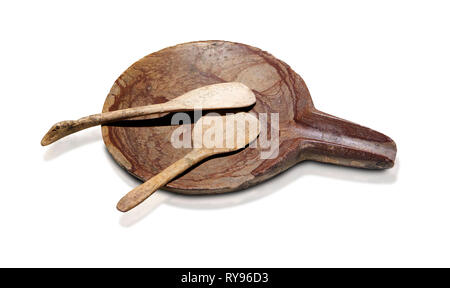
(210, 139)
(217, 96)
(143, 146)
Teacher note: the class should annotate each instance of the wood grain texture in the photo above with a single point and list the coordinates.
(143, 147)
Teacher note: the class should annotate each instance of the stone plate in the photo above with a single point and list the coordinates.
(143, 147)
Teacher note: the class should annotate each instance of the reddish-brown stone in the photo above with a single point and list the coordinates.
(143, 146)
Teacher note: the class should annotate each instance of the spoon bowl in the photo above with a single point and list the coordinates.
(211, 135)
(210, 97)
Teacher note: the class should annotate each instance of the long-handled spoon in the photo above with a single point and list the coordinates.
(216, 96)
(211, 135)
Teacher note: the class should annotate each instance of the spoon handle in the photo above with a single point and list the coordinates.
(64, 128)
(143, 191)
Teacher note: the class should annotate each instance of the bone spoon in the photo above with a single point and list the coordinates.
(246, 130)
(216, 96)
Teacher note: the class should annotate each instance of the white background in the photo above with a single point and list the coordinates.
(382, 64)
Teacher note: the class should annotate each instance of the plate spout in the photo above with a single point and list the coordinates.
(333, 140)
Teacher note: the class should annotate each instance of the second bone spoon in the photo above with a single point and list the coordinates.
(211, 135)
(216, 96)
